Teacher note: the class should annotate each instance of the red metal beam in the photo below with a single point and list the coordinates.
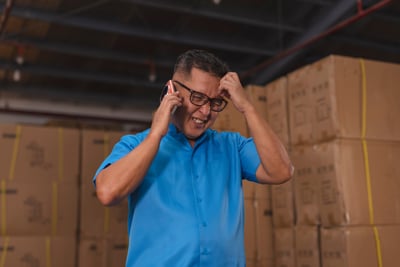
(360, 14)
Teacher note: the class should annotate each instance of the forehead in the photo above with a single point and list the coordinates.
(199, 81)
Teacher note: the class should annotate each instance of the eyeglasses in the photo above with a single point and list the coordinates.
(200, 99)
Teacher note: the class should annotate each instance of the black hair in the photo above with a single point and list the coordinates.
(202, 60)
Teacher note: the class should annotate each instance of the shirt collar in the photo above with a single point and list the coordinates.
(177, 134)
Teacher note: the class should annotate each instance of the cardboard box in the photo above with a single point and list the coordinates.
(344, 187)
(301, 108)
(356, 246)
(327, 100)
(38, 251)
(278, 110)
(103, 252)
(262, 263)
(231, 120)
(250, 243)
(96, 146)
(258, 96)
(39, 154)
(91, 253)
(306, 185)
(307, 245)
(251, 263)
(265, 263)
(283, 204)
(39, 209)
(284, 246)
(263, 191)
(97, 220)
(264, 233)
(258, 231)
(338, 98)
(248, 189)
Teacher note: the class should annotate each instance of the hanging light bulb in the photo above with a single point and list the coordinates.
(19, 59)
(152, 77)
(20, 56)
(17, 75)
(152, 73)
(216, 2)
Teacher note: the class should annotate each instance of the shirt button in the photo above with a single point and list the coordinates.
(204, 224)
(199, 200)
(205, 251)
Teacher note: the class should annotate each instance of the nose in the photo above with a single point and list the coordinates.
(206, 108)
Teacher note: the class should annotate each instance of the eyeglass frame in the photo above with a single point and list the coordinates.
(209, 99)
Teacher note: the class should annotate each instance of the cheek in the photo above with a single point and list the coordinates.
(185, 110)
(189, 108)
(213, 117)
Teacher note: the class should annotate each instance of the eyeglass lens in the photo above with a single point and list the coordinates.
(200, 99)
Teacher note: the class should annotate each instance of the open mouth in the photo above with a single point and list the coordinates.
(198, 121)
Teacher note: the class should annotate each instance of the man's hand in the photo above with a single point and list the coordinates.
(275, 165)
(231, 88)
(162, 115)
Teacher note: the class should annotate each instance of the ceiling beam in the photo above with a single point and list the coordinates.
(118, 28)
(220, 15)
(384, 46)
(56, 103)
(85, 51)
(80, 75)
(323, 22)
(387, 17)
(71, 94)
(317, 2)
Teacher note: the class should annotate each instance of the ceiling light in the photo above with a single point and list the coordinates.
(216, 2)
(19, 59)
(17, 75)
(152, 77)
(20, 55)
(152, 72)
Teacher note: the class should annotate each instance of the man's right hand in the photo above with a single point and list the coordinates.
(162, 115)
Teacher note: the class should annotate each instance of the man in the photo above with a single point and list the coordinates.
(183, 180)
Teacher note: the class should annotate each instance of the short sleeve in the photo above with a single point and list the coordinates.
(126, 144)
(249, 158)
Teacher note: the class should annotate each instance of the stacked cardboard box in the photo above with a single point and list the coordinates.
(39, 167)
(282, 197)
(343, 97)
(261, 222)
(307, 245)
(307, 196)
(231, 120)
(103, 239)
(258, 225)
(277, 106)
(257, 198)
(284, 247)
(249, 226)
(258, 96)
(356, 246)
(343, 112)
(359, 197)
(271, 100)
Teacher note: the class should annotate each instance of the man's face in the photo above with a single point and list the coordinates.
(191, 119)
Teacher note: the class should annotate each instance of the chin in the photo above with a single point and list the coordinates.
(193, 136)
(193, 133)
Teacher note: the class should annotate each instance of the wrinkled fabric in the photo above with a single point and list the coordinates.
(189, 208)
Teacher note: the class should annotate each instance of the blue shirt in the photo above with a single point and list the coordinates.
(188, 210)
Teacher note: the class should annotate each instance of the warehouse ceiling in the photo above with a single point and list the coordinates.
(120, 52)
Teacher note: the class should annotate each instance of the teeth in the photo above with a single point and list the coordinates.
(198, 120)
